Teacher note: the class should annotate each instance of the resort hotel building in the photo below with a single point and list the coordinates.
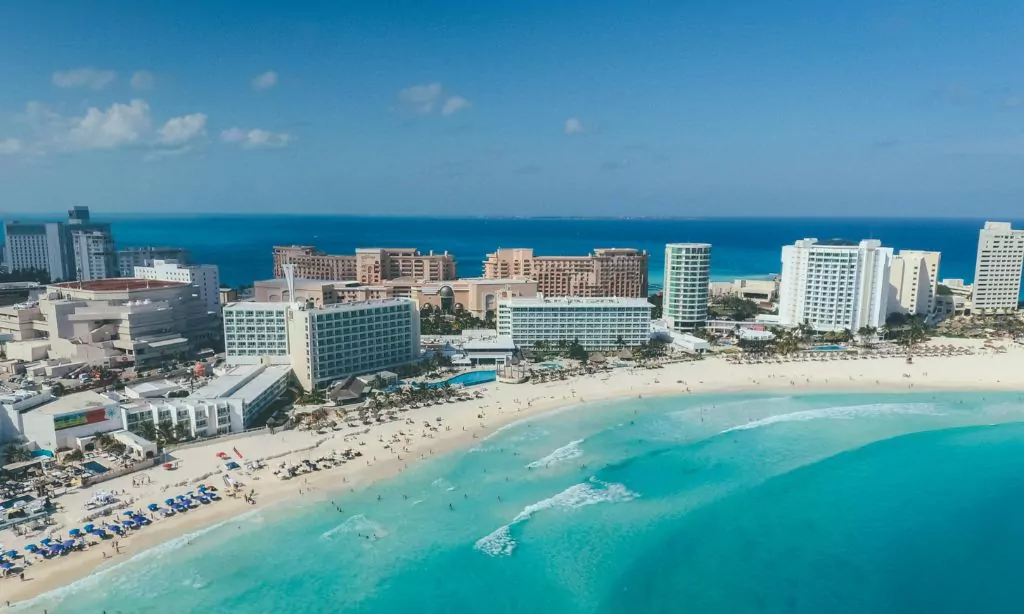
(834, 285)
(205, 278)
(323, 344)
(596, 323)
(111, 322)
(998, 268)
(686, 286)
(92, 246)
(131, 257)
(367, 265)
(914, 282)
(608, 272)
(78, 249)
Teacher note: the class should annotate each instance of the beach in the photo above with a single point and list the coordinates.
(465, 424)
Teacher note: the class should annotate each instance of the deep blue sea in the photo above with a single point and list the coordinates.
(241, 245)
(839, 504)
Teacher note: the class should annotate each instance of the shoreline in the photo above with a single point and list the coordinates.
(502, 406)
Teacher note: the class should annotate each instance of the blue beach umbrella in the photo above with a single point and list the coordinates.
(129, 514)
(153, 507)
(75, 532)
(88, 528)
(31, 547)
(169, 501)
(46, 541)
(11, 554)
(6, 565)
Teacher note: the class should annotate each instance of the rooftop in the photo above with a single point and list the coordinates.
(522, 301)
(118, 284)
(242, 382)
(77, 401)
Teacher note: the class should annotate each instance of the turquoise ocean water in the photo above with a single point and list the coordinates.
(724, 504)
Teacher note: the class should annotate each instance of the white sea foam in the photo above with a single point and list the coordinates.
(500, 541)
(358, 524)
(569, 451)
(847, 412)
(443, 484)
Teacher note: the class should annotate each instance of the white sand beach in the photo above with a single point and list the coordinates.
(461, 424)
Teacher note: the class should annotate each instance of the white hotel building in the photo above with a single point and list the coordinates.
(834, 286)
(687, 284)
(597, 323)
(323, 344)
(997, 271)
(205, 278)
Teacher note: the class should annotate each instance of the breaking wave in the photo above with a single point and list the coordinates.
(847, 412)
(569, 451)
(500, 541)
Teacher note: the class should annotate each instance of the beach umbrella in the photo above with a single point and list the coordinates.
(74, 532)
(97, 532)
(180, 497)
(46, 541)
(127, 513)
(169, 501)
(31, 547)
(11, 554)
(88, 528)
(153, 507)
(6, 565)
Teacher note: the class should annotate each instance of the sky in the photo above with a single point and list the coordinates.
(684, 108)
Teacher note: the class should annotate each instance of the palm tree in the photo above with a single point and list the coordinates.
(146, 430)
(165, 432)
(866, 332)
(14, 453)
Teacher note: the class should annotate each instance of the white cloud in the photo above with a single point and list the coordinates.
(255, 138)
(121, 124)
(84, 77)
(573, 125)
(143, 80)
(180, 130)
(454, 104)
(9, 146)
(264, 81)
(420, 99)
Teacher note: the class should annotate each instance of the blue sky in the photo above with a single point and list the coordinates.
(521, 108)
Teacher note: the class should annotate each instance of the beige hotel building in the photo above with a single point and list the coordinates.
(607, 272)
(369, 265)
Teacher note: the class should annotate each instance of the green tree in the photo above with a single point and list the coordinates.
(14, 453)
(577, 352)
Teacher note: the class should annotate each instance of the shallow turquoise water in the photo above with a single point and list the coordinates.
(810, 504)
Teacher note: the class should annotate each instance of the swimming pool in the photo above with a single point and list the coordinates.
(470, 378)
(95, 467)
(827, 348)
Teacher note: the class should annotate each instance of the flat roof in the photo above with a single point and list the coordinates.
(77, 401)
(242, 382)
(565, 301)
(501, 343)
(163, 385)
(118, 284)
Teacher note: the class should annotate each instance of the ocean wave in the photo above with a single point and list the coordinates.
(569, 451)
(500, 541)
(846, 412)
(358, 524)
(443, 483)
